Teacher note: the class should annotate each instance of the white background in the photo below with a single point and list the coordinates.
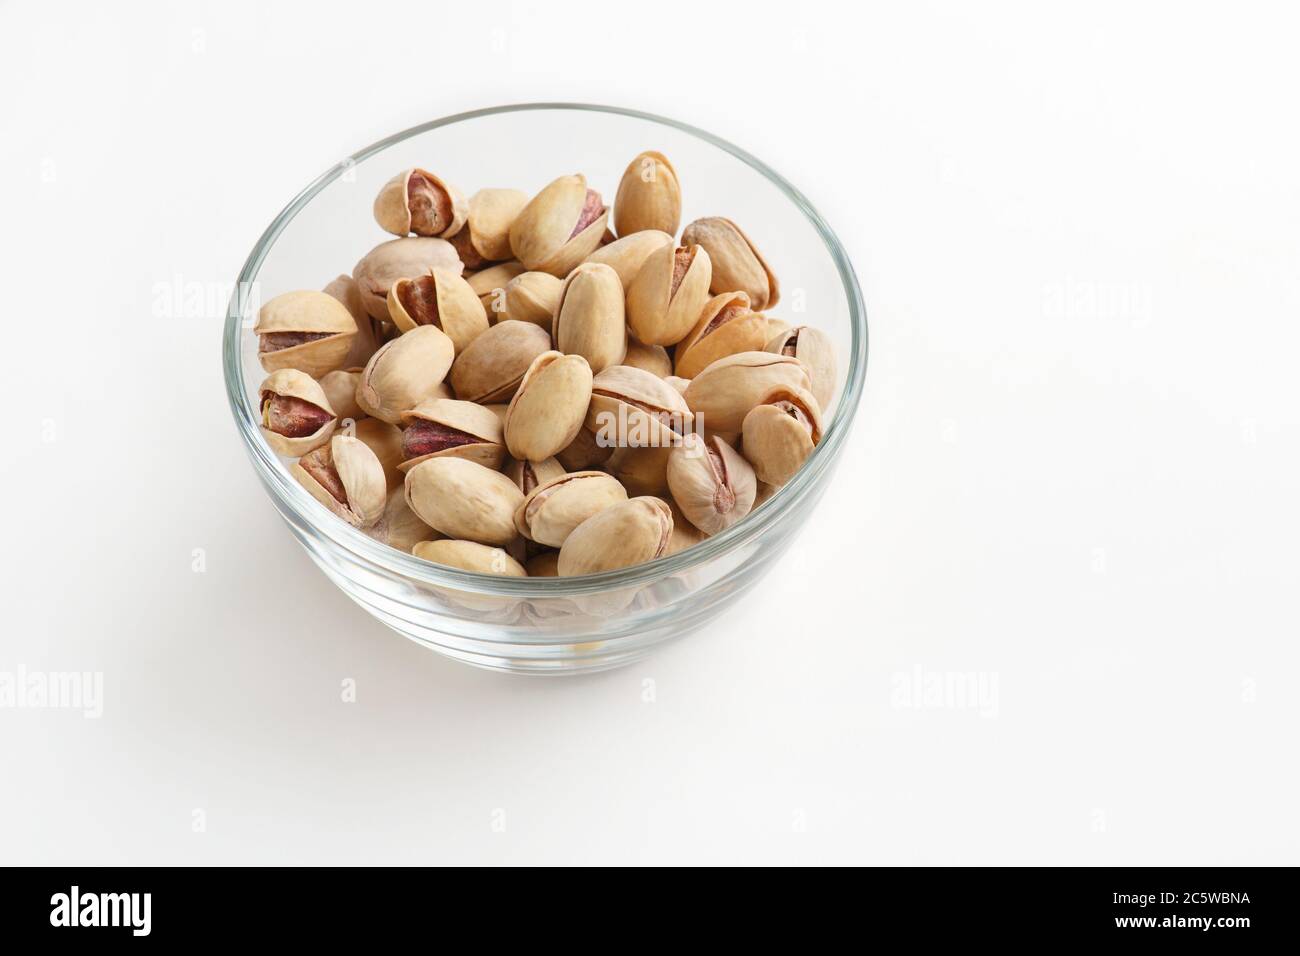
(1074, 474)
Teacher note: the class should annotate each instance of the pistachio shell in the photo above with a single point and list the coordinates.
(665, 299)
(340, 387)
(589, 316)
(737, 263)
(368, 337)
(643, 471)
(628, 254)
(442, 299)
(724, 392)
(491, 213)
(781, 432)
(463, 430)
(492, 366)
(305, 313)
(527, 475)
(354, 486)
(813, 348)
(652, 358)
(490, 285)
(463, 499)
(678, 383)
(531, 297)
(648, 197)
(553, 509)
(404, 372)
(400, 527)
(685, 535)
(620, 536)
(469, 556)
(712, 485)
(544, 565)
(385, 441)
(416, 200)
(632, 407)
(727, 325)
(400, 259)
(287, 432)
(549, 408)
(583, 452)
(549, 234)
(499, 409)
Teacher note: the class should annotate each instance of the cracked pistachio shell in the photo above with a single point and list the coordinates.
(399, 259)
(560, 226)
(633, 407)
(400, 527)
(404, 372)
(727, 325)
(725, 391)
(544, 565)
(369, 335)
(469, 556)
(491, 213)
(628, 533)
(527, 475)
(643, 471)
(648, 197)
(417, 201)
(712, 485)
(340, 388)
(589, 316)
(780, 433)
(550, 406)
(652, 358)
(553, 509)
(347, 478)
(460, 430)
(584, 452)
(665, 299)
(813, 348)
(385, 441)
(685, 535)
(442, 299)
(282, 322)
(626, 255)
(490, 285)
(462, 499)
(737, 263)
(492, 366)
(289, 383)
(531, 297)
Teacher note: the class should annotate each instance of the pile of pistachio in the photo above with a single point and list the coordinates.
(528, 387)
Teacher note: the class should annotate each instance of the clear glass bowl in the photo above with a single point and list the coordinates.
(550, 625)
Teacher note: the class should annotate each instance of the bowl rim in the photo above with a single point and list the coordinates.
(361, 546)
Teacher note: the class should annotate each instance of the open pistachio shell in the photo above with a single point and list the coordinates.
(780, 433)
(441, 299)
(620, 536)
(491, 367)
(648, 197)
(550, 406)
(553, 509)
(665, 299)
(385, 441)
(643, 471)
(727, 325)
(469, 556)
(447, 428)
(712, 484)
(737, 263)
(296, 413)
(724, 392)
(309, 331)
(369, 334)
(404, 372)
(340, 388)
(627, 254)
(633, 407)
(589, 316)
(652, 358)
(417, 201)
(531, 297)
(399, 259)
(462, 499)
(347, 478)
(560, 226)
(584, 451)
(527, 475)
(813, 348)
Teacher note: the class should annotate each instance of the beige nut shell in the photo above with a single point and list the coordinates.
(404, 372)
(628, 533)
(462, 499)
(589, 319)
(393, 209)
(658, 315)
(460, 312)
(741, 330)
(492, 366)
(550, 406)
(649, 196)
(360, 474)
(540, 235)
(396, 259)
(554, 508)
(307, 311)
(737, 263)
(725, 391)
(295, 384)
(469, 556)
(468, 417)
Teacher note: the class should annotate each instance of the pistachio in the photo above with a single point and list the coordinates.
(469, 556)
(369, 334)
(781, 432)
(486, 235)
(685, 535)
(737, 263)
(670, 289)
(296, 413)
(589, 316)
(463, 499)
(765, 492)
(628, 254)
(385, 441)
(725, 391)
(490, 285)
(679, 383)
(775, 327)
(399, 259)
(446, 428)
(560, 226)
(400, 527)
(340, 387)
(544, 565)
(813, 348)
(712, 485)
(726, 326)
(548, 410)
(648, 197)
(492, 366)
(652, 358)
(621, 535)
(404, 373)
(643, 471)
(584, 451)
(632, 407)
(309, 331)
(527, 475)
(531, 297)
(554, 508)
(347, 478)
(499, 409)
(442, 299)
(415, 200)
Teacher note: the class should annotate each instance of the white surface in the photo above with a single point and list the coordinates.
(1074, 473)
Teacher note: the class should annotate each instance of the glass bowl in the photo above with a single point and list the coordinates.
(550, 625)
